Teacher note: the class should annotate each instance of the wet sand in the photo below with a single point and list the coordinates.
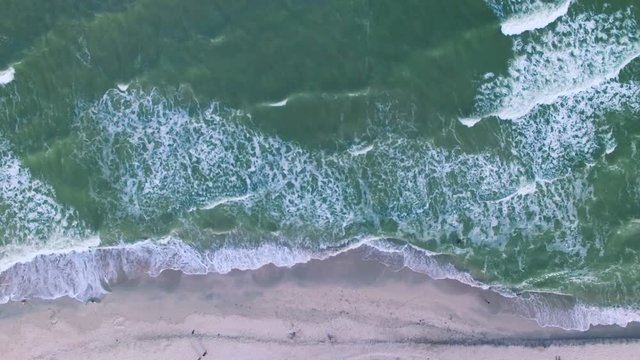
(344, 307)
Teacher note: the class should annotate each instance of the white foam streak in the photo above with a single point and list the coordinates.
(526, 187)
(423, 261)
(362, 92)
(470, 121)
(225, 200)
(279, 103)
(537, 18)
(358, 151)
(522, 108)
(550, 310)
(24, 253)
(85, 273)
(122, 87)
(7, 76)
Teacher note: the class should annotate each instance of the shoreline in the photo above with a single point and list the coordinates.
(89, 274)
(347, 306)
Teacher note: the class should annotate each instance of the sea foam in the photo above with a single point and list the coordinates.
(31, 220)
(279, 103)
(555, 310)
(531, 15)
(172, 158)
(578, 53)
(7, 76)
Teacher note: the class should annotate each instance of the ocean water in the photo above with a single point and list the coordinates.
(490, 141)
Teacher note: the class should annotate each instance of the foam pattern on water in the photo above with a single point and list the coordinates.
(518, 16)
(86, 274)
(31, 220)
(140, 142)
(564, 312)
(7, 76)
(161, 156)
(559, 88)
(575, 54)
(554, 137)
(433, 193)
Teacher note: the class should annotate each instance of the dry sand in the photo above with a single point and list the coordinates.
(340, 308)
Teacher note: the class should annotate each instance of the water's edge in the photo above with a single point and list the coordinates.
(88, 274)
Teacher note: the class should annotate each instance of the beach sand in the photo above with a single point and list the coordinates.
(344, 307)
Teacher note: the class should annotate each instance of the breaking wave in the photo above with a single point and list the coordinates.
(160, 155)
(519, 16)
(31, 220)
(579, 53)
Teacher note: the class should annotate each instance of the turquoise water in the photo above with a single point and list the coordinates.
(210, 135)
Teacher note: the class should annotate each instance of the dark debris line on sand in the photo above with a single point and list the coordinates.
(205, 351)
(466, 342)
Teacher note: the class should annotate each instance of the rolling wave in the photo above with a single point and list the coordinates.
(520, 16)
(579, 53)
(31, 220)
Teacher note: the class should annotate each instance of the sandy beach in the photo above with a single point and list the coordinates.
(344, 307)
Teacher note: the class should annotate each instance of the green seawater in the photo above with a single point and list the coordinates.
(503, 134)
